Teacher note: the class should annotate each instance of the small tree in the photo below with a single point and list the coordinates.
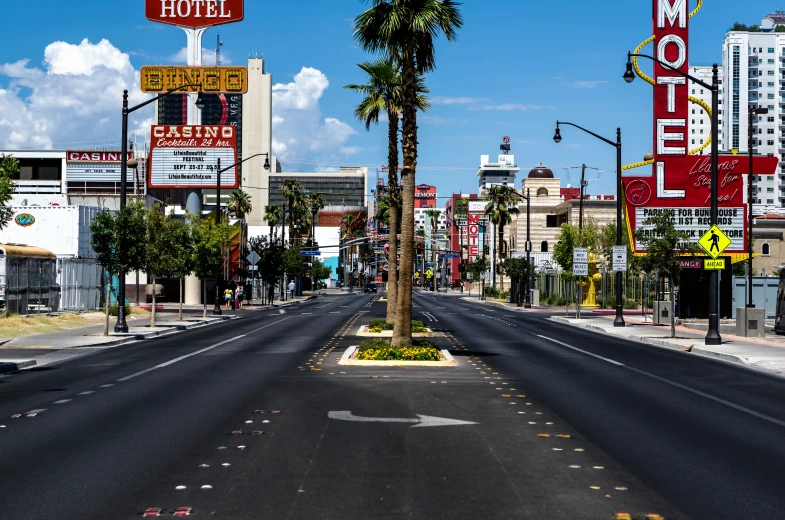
(119, 240)
(517, 269)
(167, 249)
(664, 245)
(293, 262)
(181, 243)
(270, 262)
(9, 167)
(319, 271)
(477, 269)
(209, 239)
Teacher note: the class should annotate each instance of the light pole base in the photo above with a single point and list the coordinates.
(121, 327)
(713, 335)
(618, 321)
(527, 305)
(217, 310)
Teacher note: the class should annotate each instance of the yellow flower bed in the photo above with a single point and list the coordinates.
(380, 350)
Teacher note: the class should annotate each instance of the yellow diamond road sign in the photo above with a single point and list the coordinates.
(714, 241)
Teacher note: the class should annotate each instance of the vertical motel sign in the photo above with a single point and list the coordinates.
(679, 182)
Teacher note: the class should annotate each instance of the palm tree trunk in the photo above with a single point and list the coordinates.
(501, 250)
(108, 297)
(204, 295)
(402, 334)
(392, 275)
(493, 256)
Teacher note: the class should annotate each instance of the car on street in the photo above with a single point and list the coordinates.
(370, 287)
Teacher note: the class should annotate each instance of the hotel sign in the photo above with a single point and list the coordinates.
(214, 80)
(194, 13)
(187, 156)
(680, 183)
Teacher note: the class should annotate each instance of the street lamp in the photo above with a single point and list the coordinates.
(121, 325)
(619, 319)
(713, 334)
(750, 112)
(527, 301)
(218, 171)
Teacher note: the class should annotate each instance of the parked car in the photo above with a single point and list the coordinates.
(370, 287)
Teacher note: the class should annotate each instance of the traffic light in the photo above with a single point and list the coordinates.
(486, 250)
(419, 248)
(462, 266)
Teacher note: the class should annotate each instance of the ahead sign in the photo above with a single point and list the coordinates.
(194, 13)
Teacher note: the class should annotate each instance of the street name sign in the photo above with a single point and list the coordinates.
(619, 258)
(714, 242)
(194, 13)
(184, 156)
(678, 182)
(717, 264)
(449, 255)
(310, 253)
(213, 80)
(580, 255)
(580, 269)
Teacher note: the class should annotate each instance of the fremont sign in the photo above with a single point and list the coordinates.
(187, 156)
(680, 184)
(194, 13)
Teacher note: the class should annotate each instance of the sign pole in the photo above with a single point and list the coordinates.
(713, 334)
(193, 203)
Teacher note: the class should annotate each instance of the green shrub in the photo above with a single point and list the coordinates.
(610, 301)
(504, 295)
(631, 304)
(382, 350)
(113, 309)
(491, 291)
(378, 325)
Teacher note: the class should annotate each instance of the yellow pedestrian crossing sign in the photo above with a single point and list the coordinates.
(428, 273)
(714, 241)
(417, 274)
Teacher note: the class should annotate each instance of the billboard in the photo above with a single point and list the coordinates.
(214, 80)
(219, 109)
(194, 13)
(184, 156)
(679, 183)
(93, 165)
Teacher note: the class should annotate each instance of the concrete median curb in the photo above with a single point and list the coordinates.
(346, 359)
(7, 367)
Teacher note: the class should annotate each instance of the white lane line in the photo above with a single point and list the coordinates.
(106, 386)
(680, 386)
(582, 351)
(63, 401)
(211, 347)
(735, 406)
(35, 412)
(88, 392)
(306, 313)
(335, 312)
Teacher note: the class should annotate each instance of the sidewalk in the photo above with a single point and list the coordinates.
(763, 354)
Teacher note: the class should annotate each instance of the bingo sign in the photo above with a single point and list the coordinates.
(680, 184)
(184, 156)
(194, 14)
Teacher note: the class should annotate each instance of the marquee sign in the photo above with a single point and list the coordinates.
(94, 165)
(194, 13)
(680, 184)
(214, 80)
(187, 156)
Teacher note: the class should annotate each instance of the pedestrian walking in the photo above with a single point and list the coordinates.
(291, 288)
(270, 294)
(238, 295)
(228, 295)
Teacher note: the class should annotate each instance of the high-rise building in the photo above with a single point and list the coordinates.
(753, 75)
(700, 122)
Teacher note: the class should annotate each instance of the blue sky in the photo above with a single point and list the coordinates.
(516, 67)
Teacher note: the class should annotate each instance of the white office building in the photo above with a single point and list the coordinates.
(753, 74)
(700, 121)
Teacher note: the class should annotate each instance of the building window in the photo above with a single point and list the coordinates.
(544, 246)
(551, 221)
(765, 250)
(542, 192)
(770, 143)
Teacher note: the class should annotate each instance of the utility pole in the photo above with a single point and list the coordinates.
(580, 203)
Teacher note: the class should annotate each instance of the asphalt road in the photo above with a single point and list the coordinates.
(178, 422)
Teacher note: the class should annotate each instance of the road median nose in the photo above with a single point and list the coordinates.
(7, 367)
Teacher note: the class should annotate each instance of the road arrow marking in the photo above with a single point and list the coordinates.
(421, 421)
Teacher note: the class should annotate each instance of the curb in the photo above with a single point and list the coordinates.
(7, 367)
(661, 343)
(449, 361)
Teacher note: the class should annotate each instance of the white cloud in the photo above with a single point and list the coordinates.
(514, 106)
(300, 130)
(74, 101)
(208, 57)
(589, 84)
(461, 100)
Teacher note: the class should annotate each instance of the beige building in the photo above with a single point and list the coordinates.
(552, 206)
(768, 231)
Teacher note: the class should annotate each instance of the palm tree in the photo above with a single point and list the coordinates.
(405, 31)
(383, 93)
(239, 204)
(273, 215)
(293, 191)
(433, 215)
(500, 209)
(315, 202)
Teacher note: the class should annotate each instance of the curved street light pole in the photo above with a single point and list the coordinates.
(618, 321)
(713, 334)
(121, 325)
